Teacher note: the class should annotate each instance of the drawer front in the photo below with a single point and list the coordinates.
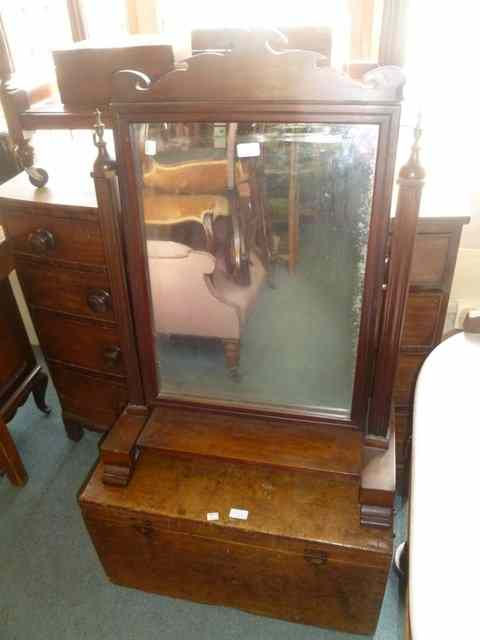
(99, 401)
(85, 293)
(79, 342)
(408, 367)
(430, 260)
(315, 591)
(422, 320)
(76, 241)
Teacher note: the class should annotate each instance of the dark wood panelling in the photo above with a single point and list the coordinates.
(408, 367)
(422, 317)
(79, 342)
(434, 258)
(62, 289)
(74, 240)
(430, 260)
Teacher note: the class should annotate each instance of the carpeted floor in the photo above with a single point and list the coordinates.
(299, 344)
(52, 585)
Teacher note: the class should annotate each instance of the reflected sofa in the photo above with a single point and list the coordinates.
(192, 295)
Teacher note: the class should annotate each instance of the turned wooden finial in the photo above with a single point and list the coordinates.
(413, 169)
(103, 161)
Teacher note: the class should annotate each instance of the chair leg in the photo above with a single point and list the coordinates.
(231, 348)
(10, 459)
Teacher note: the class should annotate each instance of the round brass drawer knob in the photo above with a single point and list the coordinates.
(112, 356)
(41, 241)
(99, 300)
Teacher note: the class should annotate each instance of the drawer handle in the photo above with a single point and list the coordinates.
(99, 300)
(42, 240)
(113, 356)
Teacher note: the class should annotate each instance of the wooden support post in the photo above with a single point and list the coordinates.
(411, 183)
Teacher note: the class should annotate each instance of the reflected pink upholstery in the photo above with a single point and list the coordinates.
(193, 296)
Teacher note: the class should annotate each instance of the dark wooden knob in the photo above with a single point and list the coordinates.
(99, 300)
(42, 240)
(113, 356)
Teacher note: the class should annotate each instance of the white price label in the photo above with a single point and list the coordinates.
(239, 514)
(212, 516)
(248, 150)
(150, 147)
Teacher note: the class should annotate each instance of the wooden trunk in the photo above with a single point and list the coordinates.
(295, 557)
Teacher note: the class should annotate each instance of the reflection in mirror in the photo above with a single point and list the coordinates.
(256, 242)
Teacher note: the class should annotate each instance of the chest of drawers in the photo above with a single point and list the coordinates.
(60, 254)
(434, 258)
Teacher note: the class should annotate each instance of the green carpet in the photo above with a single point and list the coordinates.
(299, 345)
(52, 584)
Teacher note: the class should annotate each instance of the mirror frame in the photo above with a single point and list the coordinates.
(333, 99)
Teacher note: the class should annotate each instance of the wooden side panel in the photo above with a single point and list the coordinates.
(430, 259)
(408, 367)
(421, 320)
(98, 400)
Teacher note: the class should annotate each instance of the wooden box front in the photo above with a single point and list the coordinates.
(292, 559)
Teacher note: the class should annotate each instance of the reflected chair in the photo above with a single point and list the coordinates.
(224, 196)
(193, 296)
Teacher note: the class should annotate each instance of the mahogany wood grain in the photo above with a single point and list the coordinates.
(63, 289)
(411, 181)
(422, 316)
(98, 399)
(257, 73)
(107, 191)
(377, 484)
(433, 264)
(245, 439)
(430, 259)
(77, 341)
(324, 570)
(119, 450)
(408, 367)
(74, 240)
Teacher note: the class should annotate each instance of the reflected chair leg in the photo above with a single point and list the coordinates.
(39, 391)
(231, 348)
(10, 460)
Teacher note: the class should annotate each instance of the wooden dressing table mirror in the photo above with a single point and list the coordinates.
(217, 391)
(300, 440)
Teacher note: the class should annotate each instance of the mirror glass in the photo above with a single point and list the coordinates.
(256, 240)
